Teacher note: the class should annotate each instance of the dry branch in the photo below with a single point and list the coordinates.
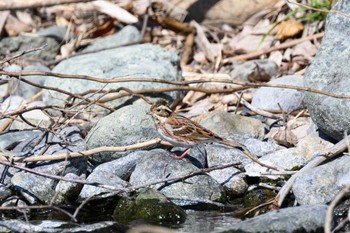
(284, 45)
(20, 4)
(208, 78)
(90, 152)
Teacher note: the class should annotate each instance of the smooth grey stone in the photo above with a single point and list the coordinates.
(126, 126)
(269, 98)
(138, 61)
(321, 184)
(112, 173)
(38, 189)
(22, 43)
(26, 90)
(292, 219)
(290, 158)
(127, 35)
(248, 71)
(52, 226)
(5, 192)
(14, 137)
(56, 32)
(329, 72)
(229, 125)
(160, 164)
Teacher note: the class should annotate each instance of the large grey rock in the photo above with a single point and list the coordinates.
(233, 126)
(159, 164)
(26, 90)
(290, 158)
(255, 70)
(292, 219)
(39, 189)
(125, 126)
(268, 98)
(128, 34)
(138, 61)
(231, 178)
(14, 225)
(329, 72)
(112, 173)
(21, 43)
(321, 184)
(56, 32)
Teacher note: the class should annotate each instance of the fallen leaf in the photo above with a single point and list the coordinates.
(115, 11)
(14, 27)
(285, 137)
(288, 29)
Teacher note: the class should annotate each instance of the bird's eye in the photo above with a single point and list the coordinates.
(158, 110)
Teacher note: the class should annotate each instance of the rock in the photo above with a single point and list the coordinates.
(260, 148)
(257, 196)
(112, 173)
(331, 114)
(197, 155)
(139, 61)
(305, 219)
(39, 189)
(56, 32)
(5, 192)
(126, 126)
(255, 70)
(159, 165)
(291, 158)
(220, 12)
(150, 205)
(231, 178)
(12, 138)
(35, 117)
(127, 35)
(268, 98)
(233, 126)
(50, 226)
(321, 184)
(21, 43)
(25, 90)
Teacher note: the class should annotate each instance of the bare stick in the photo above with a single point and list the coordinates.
(284, 45)
(329, 214)
(20, 4)
(83, 153)
(205, 79)
(23, 53)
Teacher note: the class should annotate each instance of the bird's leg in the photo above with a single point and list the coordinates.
(183, 154)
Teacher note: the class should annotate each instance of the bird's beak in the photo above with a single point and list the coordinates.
(148, 113)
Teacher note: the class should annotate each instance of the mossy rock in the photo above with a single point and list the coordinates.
(151, 206)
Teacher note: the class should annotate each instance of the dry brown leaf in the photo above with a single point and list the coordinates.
(14, 27)
(285, 137)
(115, 11)
(3, 18)
(211, 51)
(288, 29)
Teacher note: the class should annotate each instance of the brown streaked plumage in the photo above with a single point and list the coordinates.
(181, 131)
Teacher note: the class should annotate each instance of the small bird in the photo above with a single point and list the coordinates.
(183, 132)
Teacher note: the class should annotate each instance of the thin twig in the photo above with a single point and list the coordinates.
(23, 53)
(201, 79)
(77, 154)
(329, 214)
